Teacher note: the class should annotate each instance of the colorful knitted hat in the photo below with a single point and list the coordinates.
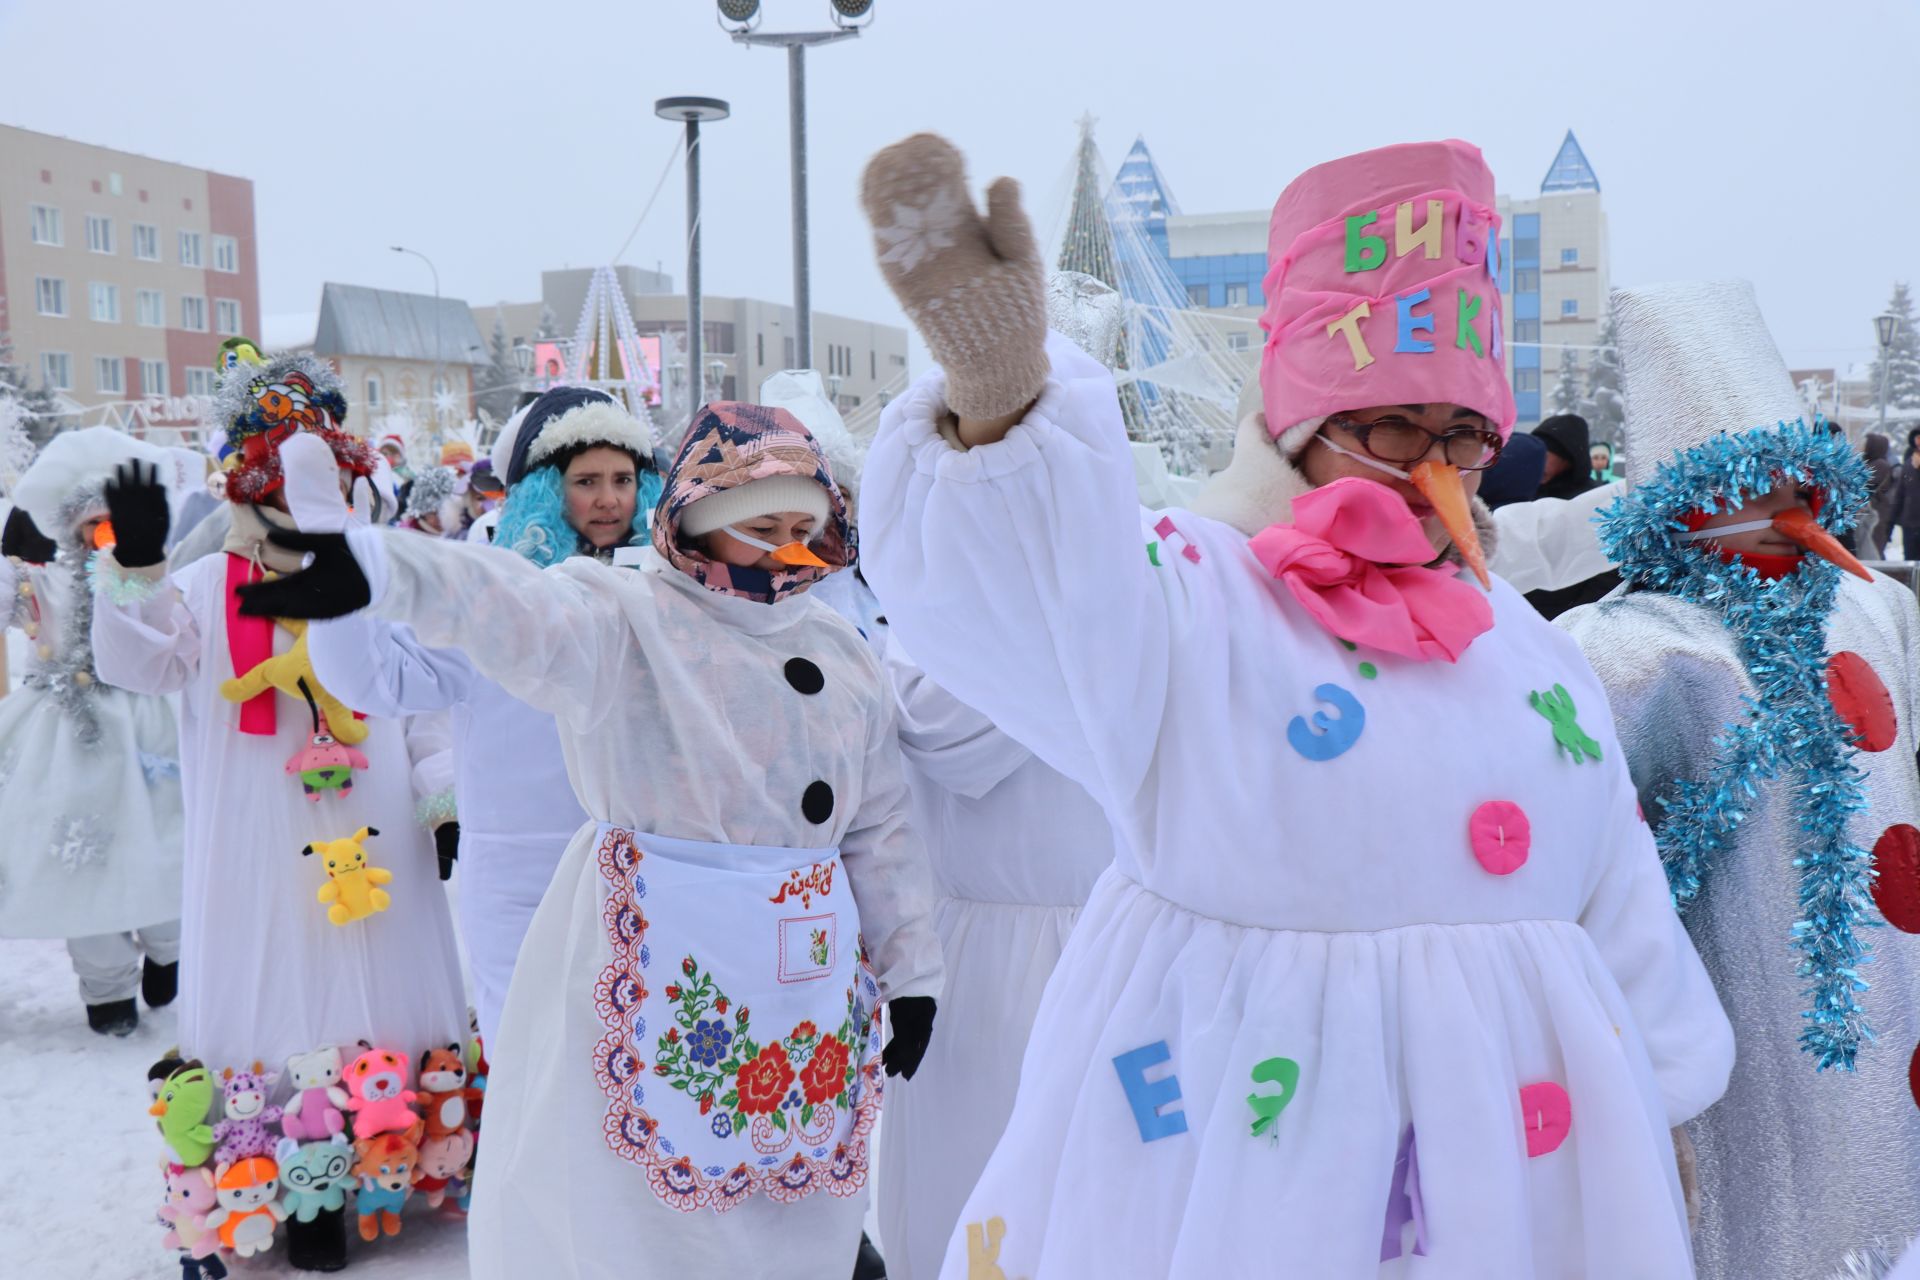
(259, 407)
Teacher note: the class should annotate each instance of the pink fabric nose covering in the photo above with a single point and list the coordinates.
(1382, 287)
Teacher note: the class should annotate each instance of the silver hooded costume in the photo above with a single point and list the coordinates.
(1797, 1166)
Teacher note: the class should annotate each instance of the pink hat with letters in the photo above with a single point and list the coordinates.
(1383, 288)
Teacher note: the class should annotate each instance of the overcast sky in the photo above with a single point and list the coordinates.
(1756, 138)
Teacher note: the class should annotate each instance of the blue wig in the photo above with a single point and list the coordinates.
(533, 522)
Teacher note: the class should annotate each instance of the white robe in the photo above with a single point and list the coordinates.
(515, 806)
(675, 718)
(264, 974)
(1268, 904)
(1015, 848)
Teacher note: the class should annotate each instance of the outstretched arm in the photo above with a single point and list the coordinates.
(144, 638)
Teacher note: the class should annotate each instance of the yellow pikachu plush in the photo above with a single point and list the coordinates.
(352, 891)
(287, 672)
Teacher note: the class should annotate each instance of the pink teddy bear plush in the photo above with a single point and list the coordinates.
(190, 1198)
(377, 1094)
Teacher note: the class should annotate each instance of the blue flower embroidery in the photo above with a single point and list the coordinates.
(707, 1042)
(639, 887)
(723, 1125)
(639, 1096)
(666, 1146)
(646, 955)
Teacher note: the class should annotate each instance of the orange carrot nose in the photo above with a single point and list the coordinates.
(1439, 483)
(1798, 523)
(797, 555)
(103, 535)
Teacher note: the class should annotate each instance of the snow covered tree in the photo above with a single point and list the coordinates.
(36, 417)
(499, 381)
(1567, 395)
(1606, 405)
(1902, 363)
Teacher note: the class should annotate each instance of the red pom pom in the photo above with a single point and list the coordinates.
(1896, 887)
(1862, 700)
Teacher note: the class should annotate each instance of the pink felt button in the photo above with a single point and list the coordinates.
(1500, 835)
(1547, 1115)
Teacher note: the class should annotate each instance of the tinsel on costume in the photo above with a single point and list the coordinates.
(65, 672)
(1791, 731)
(435, 809)
(260, 406)
(119, 586)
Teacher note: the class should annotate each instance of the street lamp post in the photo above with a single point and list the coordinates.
(693, 111)
(850, 17)
(1886, 327)
(438, 345)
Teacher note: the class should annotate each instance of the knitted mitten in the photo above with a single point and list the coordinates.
(973, 286)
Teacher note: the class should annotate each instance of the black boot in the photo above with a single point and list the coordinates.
(114, 1018)
(159, 983)
(320, 1245)
(868, 1264)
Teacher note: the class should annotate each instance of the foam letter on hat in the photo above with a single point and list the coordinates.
(1364, 252)
(1348, 325)
(1146, 1097)
(1406, 240)
(1464, 334)
(1409, 323)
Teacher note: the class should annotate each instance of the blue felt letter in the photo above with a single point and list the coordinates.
(1145, 1096)
(1410, 323)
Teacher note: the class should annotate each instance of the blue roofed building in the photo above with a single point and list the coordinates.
(1555, 279)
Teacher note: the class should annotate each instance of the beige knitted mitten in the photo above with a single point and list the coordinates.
(973, 286)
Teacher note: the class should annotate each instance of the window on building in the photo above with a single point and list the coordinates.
(1569, 257)
(110, 374)
(50, 295)
(103, 302)
(150, 308)
(153, 377)
(1526, 279)
(226, 316)
(786, 353)
(900, 361)
(1526, 379)
(718, 337)
(56, 370)
(373, 391)
(759, 348)
(1526, 238)
(46, 225)
(199, 382)
(1569, 306)
(146, 242)
(1526, 331)
(190, 249)
(226, 254)
(1236, 342)
(1237, 295)
(193, 314)
(99, 233)
(1196, 295)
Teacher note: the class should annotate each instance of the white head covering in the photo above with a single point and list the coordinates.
(802, 393)
(82, 458)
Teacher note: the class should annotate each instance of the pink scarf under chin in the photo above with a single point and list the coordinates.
(1354, 557)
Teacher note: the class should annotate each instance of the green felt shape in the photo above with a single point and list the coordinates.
(1284, 1072)
(1153, 554)
(1368, 671)
(1350, 645)
(1560, 712)
(1364, 252)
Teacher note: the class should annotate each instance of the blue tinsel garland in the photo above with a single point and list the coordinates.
(1790, 731)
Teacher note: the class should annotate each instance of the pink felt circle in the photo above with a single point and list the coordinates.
(1500, 835)
(1547, 1115)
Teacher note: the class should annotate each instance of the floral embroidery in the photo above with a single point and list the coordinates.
(817, 946)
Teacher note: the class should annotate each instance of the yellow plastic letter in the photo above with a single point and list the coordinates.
(1406, 239)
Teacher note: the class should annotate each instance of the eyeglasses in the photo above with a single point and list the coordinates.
(1403, 443)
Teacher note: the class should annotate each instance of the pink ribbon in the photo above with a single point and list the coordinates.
(1354, 559)
(249, 643)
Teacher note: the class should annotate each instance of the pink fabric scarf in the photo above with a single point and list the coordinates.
(1354, 557)
(249, 643)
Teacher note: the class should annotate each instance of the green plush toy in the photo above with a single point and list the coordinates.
(182, 1108)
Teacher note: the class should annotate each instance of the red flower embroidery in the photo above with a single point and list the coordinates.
(763, 1082)
(825, 1075)
(687, 966)
(706, 1103)
(673, 993)
(719, 1006)
(805, 1031)
(673, 1036)
(662, 1069)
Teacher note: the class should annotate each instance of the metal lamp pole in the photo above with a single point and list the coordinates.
(693, 111)
(438, 353)
(1886, 327)
(796, 43)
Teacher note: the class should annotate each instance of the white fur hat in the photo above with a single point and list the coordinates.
(80, 459)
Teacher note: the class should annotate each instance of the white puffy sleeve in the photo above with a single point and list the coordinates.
(947, 741)
(429, 736)
(887, 870)
(145, 639)
(381, 668)
(1630, 917)
(1016, 572)
(555, 639)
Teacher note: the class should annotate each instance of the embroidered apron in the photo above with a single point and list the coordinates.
(741, 1052)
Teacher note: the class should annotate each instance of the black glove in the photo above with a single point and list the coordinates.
(22, 539)
(912, 1020)
(330, 587)
(137, 506)
(446, 843)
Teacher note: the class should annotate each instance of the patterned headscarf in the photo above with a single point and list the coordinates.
(732, 444)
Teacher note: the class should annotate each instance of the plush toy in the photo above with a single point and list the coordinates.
(385, 1168)
(316, 1175)
(190, 1199)
(183, 1104)
(352, 887)
(292, 674)
(443, 1161)
(477, 1073)
(325, 765)
(315, 1110)
(444, 1096)
(243, 1133)
(248, 1212)
(378, 1095)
